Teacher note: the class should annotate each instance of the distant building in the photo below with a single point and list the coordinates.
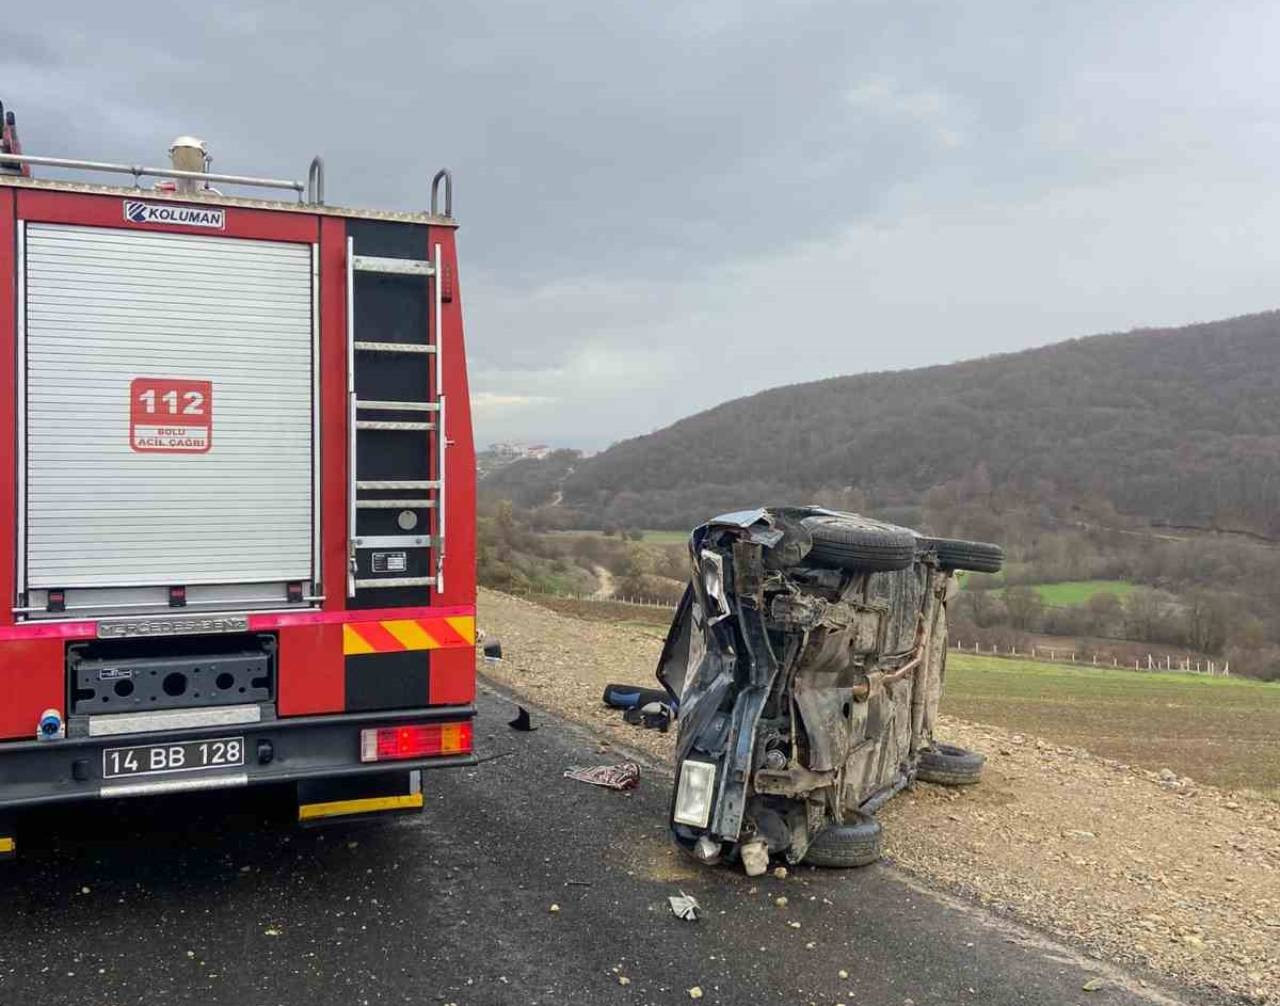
(517, 452)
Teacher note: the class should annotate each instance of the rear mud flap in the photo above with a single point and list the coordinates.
(359, 797)
(8, 836)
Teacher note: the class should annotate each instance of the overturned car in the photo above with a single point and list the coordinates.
(806, 661)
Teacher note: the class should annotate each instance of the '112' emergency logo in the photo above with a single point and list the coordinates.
(170, 414)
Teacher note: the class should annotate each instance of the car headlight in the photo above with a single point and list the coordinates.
(694, 793)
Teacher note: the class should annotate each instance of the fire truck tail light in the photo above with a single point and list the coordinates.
(424, 740)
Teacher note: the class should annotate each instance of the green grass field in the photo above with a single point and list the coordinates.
(666, 537)
(1069, 592)
(1079, 591)
(1220, 731)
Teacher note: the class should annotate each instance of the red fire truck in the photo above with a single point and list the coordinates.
(237, 489)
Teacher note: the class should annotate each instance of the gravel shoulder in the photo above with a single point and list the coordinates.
(1137, 869)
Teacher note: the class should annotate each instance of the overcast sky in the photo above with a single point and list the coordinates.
(667, 205)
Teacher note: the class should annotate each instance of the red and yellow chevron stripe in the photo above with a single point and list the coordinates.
(394, 635)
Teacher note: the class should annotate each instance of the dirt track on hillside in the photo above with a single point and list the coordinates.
(1176, 876)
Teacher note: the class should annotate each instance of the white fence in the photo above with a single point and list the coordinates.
(1064, 656)
(618, 599)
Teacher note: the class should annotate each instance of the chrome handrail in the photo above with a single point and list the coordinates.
(139, 171)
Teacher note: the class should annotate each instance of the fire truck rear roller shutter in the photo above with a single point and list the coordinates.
(106, 306)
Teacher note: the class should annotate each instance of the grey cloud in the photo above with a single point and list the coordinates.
(826, 186)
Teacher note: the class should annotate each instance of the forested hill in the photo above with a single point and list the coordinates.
(1176, 425)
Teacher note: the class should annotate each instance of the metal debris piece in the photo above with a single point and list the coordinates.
(625, 775)
(685, 906)
(706, 849)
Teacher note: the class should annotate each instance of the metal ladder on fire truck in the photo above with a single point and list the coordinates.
(426, 417)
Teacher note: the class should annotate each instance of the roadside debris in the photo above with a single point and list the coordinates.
(1093, 984)
(492, 651)
(755, 857)
(695, 992)
(625, 775)
(685, 906)
(651, 708)
(651, 716)
(521, 722)
(618, 696)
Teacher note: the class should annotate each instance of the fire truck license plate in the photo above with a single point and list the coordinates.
(182, 756)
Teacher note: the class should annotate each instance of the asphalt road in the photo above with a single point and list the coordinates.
(218, 899)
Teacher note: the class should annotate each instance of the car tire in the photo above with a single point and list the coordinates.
(950, 765)
(855, 843)
(850, 542)
(954, 553)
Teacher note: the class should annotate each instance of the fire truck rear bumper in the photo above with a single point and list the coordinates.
(299, 749)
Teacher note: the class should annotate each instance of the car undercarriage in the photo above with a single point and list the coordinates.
(806, 661)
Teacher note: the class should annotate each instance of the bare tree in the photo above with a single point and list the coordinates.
(1024, 606)
(1142, 614)
(1207, 622)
